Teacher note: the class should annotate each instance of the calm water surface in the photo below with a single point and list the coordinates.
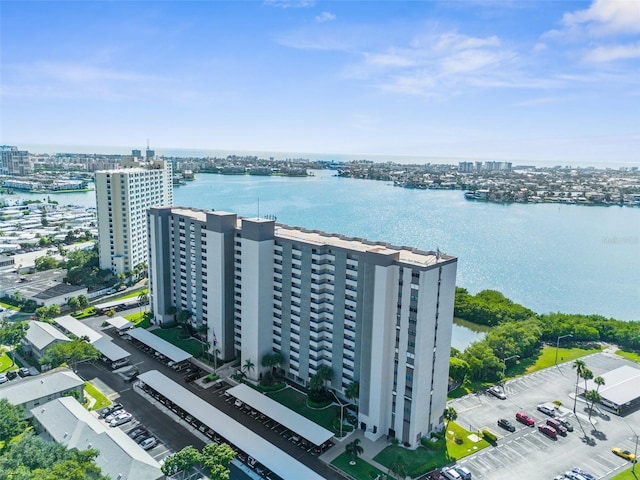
(548, 257)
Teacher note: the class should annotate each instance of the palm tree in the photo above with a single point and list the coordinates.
(579, 365)
(143, 299)
(592, 396)
(586, 375)
(248, 366)
(352, 392)
(84, 302)
(353, 450)
(599, 381)
(74, 304)
(398, 467)
(450, 415)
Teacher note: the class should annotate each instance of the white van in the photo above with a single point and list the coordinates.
(464, 472)
(451, 474)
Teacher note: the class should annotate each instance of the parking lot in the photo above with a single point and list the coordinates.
(529, 454)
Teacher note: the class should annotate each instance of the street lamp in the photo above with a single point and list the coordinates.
(558, 345)
(341, 409)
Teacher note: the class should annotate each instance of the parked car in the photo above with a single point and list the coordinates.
(114, 414)
(573, 476)
(137, 432)
(106, 411)
(451, 474)
(11, 374)
(464, 472)
(547, 410)
(121, 419)
(524, 418)
(566, 424)
(149, 443)
(24, 372)
(586, 475)
(497, 391)
(626, 454)
(506, 424)
(552, 422)
(548, 430)
(3, 378)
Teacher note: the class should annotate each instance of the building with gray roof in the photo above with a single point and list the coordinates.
(621, 389)
(34, 391)
(65, 421)
(40, 336)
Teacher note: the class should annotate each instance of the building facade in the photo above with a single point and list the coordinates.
(374, 313)
(122, 199)
(14, 161)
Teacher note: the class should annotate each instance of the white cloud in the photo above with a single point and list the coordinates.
(325, 17)
(606, 17)
(610, 53)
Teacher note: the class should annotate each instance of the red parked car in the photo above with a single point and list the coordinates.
(524, 418)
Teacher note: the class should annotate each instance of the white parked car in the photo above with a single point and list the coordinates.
(3, 378)
(121, 419)
(114, 414)
(149, 443)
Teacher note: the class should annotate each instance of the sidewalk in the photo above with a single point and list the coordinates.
(371, 449)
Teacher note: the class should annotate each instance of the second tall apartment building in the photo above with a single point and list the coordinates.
(374, 313)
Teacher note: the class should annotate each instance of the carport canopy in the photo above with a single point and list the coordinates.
(77, 328)
(621, 386)
(295, 422)
(232, 431)
(161, 346)
(110, 350)
(120, 323)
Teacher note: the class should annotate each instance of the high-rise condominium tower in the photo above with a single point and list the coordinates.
(123, 197)
(374, 313)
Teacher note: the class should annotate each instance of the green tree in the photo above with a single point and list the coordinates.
(398, 467)
(74, 304)
(12, 333)
(247, 367)
(72, 353)
(458, 369)
(182, 318)
(353, 450)
(182, 461)
(84, 302)
(579, 365)
(216, 458)
(593, 397)
(11, 420)
(449, 415)
(352, 392)
(45, 263)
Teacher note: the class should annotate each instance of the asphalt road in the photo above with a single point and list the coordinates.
(527, 453)
(173, 435)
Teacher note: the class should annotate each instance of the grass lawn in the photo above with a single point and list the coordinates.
(360, 471)
(101, 400)
(138, 319)
(544, 359)
(5, 363)
(194, 347)
(87, 312)
(430, 459)
(634, 357)
(628, 475)
(133, 294)
(297, 402)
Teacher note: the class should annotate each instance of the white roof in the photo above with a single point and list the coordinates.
(40, 386)
(159, 345)
(67, 422)
(252, 444)
(110, 350)
(76, 327)
(119, 322)
(42, 334)
(621, 385)
(281, 414)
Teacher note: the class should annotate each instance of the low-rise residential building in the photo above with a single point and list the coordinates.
(32, 392)
(65, 421)
(39, 337)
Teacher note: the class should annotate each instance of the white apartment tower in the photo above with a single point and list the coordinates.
(374, 313)
(122, 198)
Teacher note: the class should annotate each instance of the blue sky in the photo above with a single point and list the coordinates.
(479, 79)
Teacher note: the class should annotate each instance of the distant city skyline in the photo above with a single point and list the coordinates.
(527, 82)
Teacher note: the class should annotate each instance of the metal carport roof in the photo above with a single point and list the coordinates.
(77, 328)
(264, 452)
(110, 350)
(293, 421)
(119, 322)
(621, 385)
(159, 345)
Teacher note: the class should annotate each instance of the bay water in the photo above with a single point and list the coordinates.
(548, 257)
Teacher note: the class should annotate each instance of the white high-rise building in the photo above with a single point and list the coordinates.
(122, 198)
(14, 161)
(374, 313)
